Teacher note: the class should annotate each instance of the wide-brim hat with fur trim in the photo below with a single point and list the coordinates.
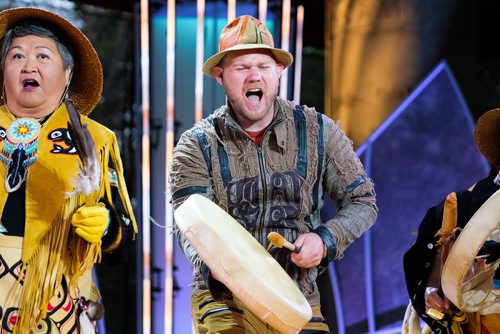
(487, 136)
(245, 33)
(85, 89)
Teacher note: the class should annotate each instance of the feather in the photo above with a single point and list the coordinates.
(16, 173)
(88, 178)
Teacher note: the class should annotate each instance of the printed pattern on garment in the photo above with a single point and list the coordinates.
(62, 143)
(283, 192)
(61, 311)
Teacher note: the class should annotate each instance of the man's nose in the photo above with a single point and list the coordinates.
(254, 74)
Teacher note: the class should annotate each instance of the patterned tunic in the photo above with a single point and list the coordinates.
(279, 185)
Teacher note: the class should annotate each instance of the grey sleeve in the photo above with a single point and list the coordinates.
(348, 186)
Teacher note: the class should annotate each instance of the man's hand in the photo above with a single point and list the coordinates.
(491, 250)
(311, 252)
(433, 300)
(90, 222)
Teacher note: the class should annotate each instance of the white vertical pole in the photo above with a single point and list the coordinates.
(263, 11)
(285, 35)
(200, 39)
(146, 169)
(231, 10)
(298, 55)
(169, 254)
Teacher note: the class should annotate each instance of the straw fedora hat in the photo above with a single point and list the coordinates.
(487, 136)
(245, 33)
(86, 84)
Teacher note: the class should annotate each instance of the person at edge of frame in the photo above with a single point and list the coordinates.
(63, 202)
(424, 259)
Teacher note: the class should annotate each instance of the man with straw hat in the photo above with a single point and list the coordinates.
(437, 235)
(268, 162)
(64, 200)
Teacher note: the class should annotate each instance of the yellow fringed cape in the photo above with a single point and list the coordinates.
(50, 248)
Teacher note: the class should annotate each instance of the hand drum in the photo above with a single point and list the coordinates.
(242, 264)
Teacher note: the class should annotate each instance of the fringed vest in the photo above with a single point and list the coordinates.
(50, 249)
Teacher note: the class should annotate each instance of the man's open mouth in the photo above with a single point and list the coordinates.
(254, 95)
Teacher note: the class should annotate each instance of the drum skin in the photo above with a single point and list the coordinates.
(242, 264)
(466, 282)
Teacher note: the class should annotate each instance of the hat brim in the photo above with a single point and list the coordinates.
(87, 81)
(281, 56)
(487, 136)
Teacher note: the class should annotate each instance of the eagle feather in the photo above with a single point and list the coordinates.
(88, 177)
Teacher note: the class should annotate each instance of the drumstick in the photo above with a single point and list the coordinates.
(435, 314)
(278, 240)
(448, 225)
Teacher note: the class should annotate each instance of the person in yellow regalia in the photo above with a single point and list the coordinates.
(63, 200)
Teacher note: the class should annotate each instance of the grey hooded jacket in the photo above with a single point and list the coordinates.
(279, 185)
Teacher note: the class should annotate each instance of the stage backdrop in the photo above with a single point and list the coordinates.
(423, 151)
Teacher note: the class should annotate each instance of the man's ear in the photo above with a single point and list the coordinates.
(217, 71)
(279, 69)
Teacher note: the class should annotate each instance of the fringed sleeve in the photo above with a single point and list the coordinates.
(123, 227)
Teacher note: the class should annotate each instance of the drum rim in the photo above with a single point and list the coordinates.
(467, 245)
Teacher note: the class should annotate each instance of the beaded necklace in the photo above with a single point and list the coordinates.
(19, 148)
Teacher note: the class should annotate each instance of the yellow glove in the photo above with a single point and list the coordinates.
(91, 222)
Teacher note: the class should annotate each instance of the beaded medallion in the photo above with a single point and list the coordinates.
(19, 150)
